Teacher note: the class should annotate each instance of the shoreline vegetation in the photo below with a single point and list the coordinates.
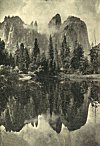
(57, 62)
(9, 71)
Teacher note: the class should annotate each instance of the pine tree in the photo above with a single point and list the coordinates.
(35, 56)
(86, 69)
(2, 45)
(62, 55)
(94, 59)
(66, 48)
(43, 62)
(65, 54)
(26, 58)
(51, 56)
(21, 57)
(11, 60)
(78, 56)
(51, 51)
(56, 59)
(3, 54)
(36, 49)
(82, 65)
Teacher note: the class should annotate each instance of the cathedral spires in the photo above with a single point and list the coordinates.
(35, 26)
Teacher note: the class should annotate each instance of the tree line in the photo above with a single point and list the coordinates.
(54, 61)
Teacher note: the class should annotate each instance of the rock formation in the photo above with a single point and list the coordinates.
(75, 30)
(15, 30)
(55, 23)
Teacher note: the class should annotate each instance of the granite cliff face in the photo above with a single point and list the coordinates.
(11, 24)
(75, 30)
(55, 23)
(14, 30)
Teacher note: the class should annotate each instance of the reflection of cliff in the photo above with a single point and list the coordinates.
(43, 134)
(78, 109)
(95, 91)
(88, 134)
(62, 103)
(66, 100)
(23, 104)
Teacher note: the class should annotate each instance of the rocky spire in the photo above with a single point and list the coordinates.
(35, 26)
(31, 25)
(55, 23)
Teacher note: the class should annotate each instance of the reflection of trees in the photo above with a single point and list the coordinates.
(5, 92)
(76, 111)
(95, 91)
(53, 97)
(78, 95)
(25, 101)
(66, 100)
(65, 95)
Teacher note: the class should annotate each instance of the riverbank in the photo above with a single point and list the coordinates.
(95, 77)
(6, 71)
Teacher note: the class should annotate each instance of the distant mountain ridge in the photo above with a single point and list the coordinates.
(14, 30)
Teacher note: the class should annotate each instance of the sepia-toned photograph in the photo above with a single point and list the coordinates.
(49, 72)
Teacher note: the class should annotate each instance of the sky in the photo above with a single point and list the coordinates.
(44, 10)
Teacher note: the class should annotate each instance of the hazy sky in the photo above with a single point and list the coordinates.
(44, 10)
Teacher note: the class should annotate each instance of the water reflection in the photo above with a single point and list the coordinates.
(62, 102)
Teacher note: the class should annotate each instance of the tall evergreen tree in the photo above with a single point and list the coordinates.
(43, 62)
(21, 57)
(51, 51)
(78, 56)
(36, 49)
(65, 54)
(62, 54)
(94, 59)
(4, 57)
(85, 66)
(2, 44)
(11, 60)
(51, 56)
(26, 58)
(35, 56)
(56, 58)
(66, 47)
(82, 66)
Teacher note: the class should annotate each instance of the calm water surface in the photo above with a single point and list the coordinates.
(68, 101)
(60, 102)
